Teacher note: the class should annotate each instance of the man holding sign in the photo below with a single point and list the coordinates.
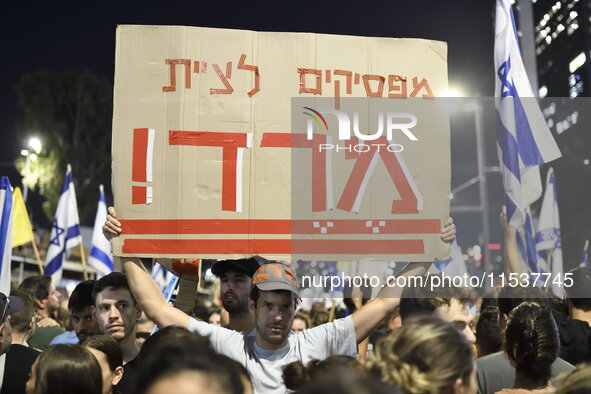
(229, 144)
(273, 300)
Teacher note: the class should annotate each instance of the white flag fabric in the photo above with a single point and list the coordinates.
(455, 265)
(6, 211)
(65, 232)
(585, 263)
(523, 138)
(100, 253)
(548, 237)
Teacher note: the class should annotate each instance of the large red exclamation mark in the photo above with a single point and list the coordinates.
(141, 171)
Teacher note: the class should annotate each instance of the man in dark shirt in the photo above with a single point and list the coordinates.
(575, 332)
(46, 303)
(117, 311)
(20, 356)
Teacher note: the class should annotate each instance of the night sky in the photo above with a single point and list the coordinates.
(81, 35)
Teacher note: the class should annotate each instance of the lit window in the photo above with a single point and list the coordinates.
(577, 62)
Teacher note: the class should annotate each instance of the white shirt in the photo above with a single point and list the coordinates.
(266, 366)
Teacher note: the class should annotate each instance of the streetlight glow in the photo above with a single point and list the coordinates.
(452, 92)
(24, 152)
(35, 144)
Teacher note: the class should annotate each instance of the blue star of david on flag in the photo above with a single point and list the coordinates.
(524, 140)
(58, 231)
(65, 232)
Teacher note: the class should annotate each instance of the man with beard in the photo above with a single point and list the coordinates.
(235, 277)
(273, 301)
(46, 304)
(84, 322)
(117, 312)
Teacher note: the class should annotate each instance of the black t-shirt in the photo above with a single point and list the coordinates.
(575, 340)
(17, 367)
(127, 383)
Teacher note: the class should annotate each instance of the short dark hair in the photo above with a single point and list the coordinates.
(114, 280)
(297, 374)
(21, 319)
(579, 293)
(423, 301)
(37, 286)
(255, 294)
(181, 350)
(488, 336)
(510, 297)
(81, 297)
(109, 347)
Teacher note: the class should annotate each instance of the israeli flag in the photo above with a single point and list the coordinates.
(5, 234)
(526, 244)
(100, 254)
(585, 263)
(65, 232)
(548, 237)
(455, 265)
(523, 138)
(161, 275)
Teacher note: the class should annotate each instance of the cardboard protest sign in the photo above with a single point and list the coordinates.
(230, 143)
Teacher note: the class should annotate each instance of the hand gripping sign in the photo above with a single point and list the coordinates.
(232, 143)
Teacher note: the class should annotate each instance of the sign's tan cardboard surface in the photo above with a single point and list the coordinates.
(197, 171)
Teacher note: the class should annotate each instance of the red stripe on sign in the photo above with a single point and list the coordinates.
(279, 226)
(357, 246)
(207, 138)
(286, 140)
(275, 246)
(138, 195)
(206, 246)
(206, 226)
(140, 153)
(229, 171)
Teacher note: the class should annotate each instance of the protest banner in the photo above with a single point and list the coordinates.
(208, 131)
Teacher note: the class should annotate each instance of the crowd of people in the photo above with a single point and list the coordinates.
(257, 339)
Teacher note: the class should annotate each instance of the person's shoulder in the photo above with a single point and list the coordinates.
(49, 330)
(65, 338)
(560, 366)
(492, 359)
(16, 348)
(23, 353)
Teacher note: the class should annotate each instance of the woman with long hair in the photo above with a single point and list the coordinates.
(65, 369)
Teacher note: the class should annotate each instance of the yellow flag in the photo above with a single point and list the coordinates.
(21, 226)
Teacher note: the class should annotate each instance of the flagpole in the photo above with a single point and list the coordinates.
(549, 258)
(38, 257)
(83, 257)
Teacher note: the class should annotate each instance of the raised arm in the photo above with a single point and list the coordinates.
(512, 259)
(367, 318)
(143, 287)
